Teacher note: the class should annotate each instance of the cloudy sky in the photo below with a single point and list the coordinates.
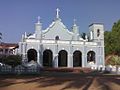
(19, 16)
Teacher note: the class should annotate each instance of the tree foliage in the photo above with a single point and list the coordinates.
(83, 35)
(12, 60)
(112, 40)
(115, 60)
(0, 36)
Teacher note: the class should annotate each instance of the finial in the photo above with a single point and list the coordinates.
(57, 13)
(25, 35)
(74, 22)
(38, 19)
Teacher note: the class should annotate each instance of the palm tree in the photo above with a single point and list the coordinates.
(0, 36)
(83, 35)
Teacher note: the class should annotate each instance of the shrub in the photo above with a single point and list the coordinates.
(12, 60)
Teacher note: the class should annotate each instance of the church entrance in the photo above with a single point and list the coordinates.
(62, 58)
(77, 59)
(32, 55)
(91, 56)
(47, 58)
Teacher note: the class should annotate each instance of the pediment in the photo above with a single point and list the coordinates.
(57, 28)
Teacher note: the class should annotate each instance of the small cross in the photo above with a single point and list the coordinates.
(58, 10)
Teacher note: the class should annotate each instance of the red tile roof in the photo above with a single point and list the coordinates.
(8, 45)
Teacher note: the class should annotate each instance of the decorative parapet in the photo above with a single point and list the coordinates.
(48, 41)
(90, 43)
(32, 40)
(61, 42)
(77, 42)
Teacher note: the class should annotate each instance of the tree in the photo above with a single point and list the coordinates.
(115, 60)
(0, 36)
(83, 35)
(112, 40)
(12, 60)
(116, 36)
(29, 34)
(108, 43)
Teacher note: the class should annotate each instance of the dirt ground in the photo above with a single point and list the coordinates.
(59, 81)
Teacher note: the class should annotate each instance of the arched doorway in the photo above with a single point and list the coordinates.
(62, 58)
(91, 56)
(77, 59)
(47, 58)
(32, 55)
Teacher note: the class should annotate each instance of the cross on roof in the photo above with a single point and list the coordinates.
(57, 13)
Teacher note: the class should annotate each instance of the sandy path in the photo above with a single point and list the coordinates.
(59, 82)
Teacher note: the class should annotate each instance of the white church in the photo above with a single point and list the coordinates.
(56, 46)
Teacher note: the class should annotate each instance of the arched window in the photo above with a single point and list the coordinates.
(62, 58)
(32, 55)
(47, 58)
(91, 56)
(57, 38)
(77, 59)
(98, 32)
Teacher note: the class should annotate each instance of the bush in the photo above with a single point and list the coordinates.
(12, 60)
(114, 60)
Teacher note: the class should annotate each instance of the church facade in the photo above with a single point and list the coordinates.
(57, 46)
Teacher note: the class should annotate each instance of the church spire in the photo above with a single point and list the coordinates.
(75, 30)
(38, 28)
(57, 13)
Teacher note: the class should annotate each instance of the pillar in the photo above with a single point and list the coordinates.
(83, 60)
(55, 60)
(70, 60)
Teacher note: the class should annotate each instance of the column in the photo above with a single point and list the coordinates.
(97, 56)
(70, 60)
(38, 57)
(41, 55)
(55, 60)
(84, 56)
(23, 52)
(70, 56)
(103, 56)
(83, 59)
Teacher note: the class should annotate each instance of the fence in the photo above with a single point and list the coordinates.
(5, 69)
(109, 68)
(20, 69)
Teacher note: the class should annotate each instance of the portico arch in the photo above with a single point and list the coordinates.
(77, 59)
(47, 58)
(62, 58)
(32, 55)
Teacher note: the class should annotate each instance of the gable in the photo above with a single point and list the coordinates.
(57, 29)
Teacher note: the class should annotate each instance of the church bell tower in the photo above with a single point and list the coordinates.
(75, 30)
(97, 32)
(38, 29)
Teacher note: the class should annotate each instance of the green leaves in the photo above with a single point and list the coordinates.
(12, 60)
(112, 40)
(115, 60)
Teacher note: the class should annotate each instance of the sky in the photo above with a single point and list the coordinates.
(19, 16)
